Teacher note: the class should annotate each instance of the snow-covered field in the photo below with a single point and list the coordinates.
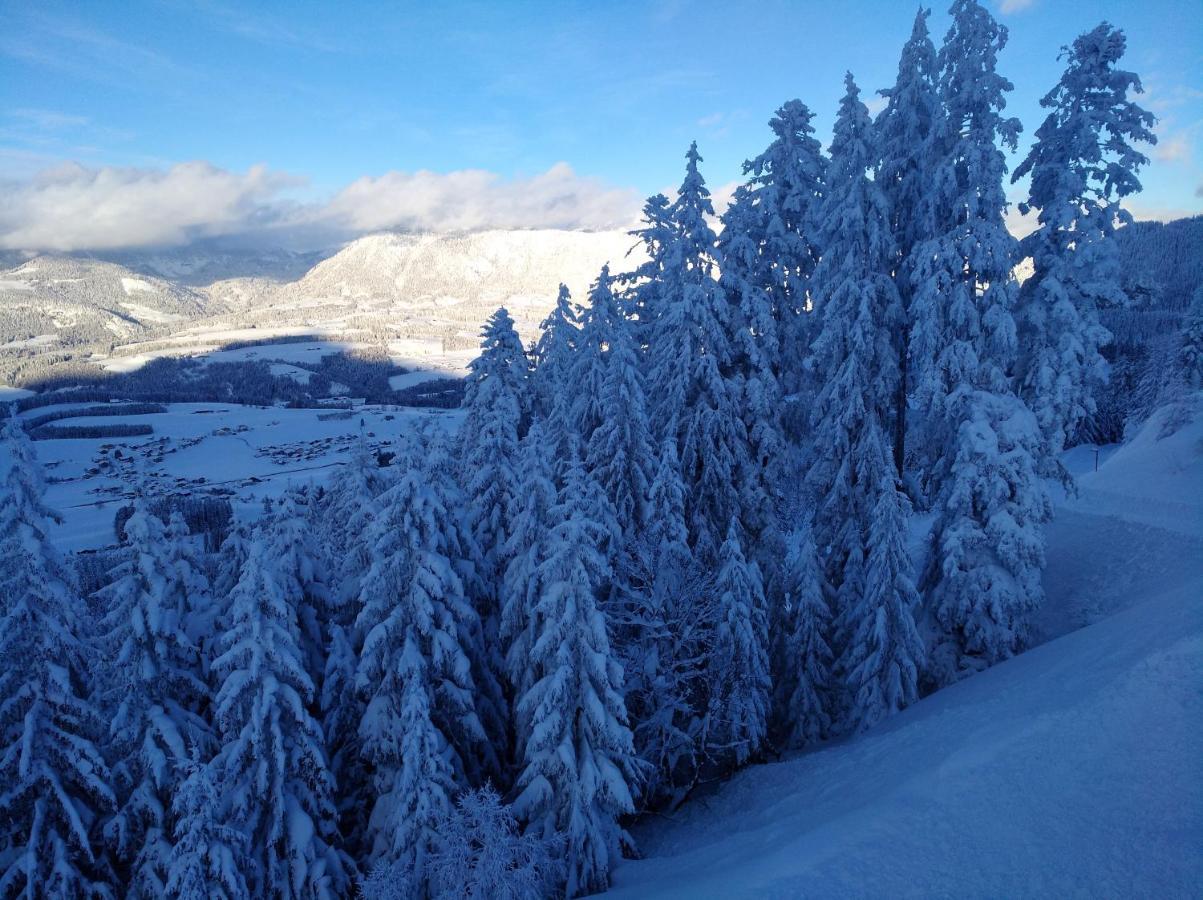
(1072, 770)
(242, 452)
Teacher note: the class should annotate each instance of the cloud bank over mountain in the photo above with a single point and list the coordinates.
(75, 208)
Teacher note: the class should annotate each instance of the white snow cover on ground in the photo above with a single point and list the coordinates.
(1072, 770)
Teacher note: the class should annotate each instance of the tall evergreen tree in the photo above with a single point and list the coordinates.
(272, 767)
(739, 672)
(884, 653)
(1081, 166)
(908, 132)
(582, 392)
(415, 674)
(619, 453)
(346, 514)
(642, 294)
(208, 858)
(54, 784)
(664, 638)
(695, 400)
(982, 580)
(527, 551)
(804, 658)
(858, 363)
(578, 760)
(553, 353)
(495, 399)
(784, 191)
(157, 692)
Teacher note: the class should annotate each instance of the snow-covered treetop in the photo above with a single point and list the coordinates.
(1084, 147)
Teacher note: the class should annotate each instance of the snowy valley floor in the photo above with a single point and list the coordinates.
(1074, 770)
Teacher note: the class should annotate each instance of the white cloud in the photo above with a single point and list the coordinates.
(474, 199)
(1007, 7)
(76, 208)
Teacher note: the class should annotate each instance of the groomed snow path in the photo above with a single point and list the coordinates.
(1074, 770)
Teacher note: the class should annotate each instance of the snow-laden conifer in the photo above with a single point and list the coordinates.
(156, 692)
(693, 398)
(908, 135)
(804, 657)
(578, 760)
(272, 766)
(553, 354)
(739, 667)
(527, 551)
(415, 673)
(1082, 165)
(982, 446)
(208, 857)
(619, 452)
(54, 784)
(785, 189)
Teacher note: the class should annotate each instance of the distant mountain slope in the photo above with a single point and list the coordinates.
(1071, 770)
(75, 300)
(430, 287)
(1162, 262)
(437, 290)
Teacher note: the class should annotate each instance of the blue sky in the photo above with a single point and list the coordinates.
(318, 96)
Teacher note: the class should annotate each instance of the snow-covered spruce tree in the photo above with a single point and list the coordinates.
(553, 354)
(690, 358)
(301, 565)
(208, 857)
(485, 856)
(415, 673)
(962, 329)
(582, 391)
(664, 637)
(156, 694)
(54, 784)
(1082, 165)
(784, 191)
(227, 568)
(619, 453)
(907, 135)
(882, 659)
(982, 579)
(487, 661)
(739, 670)
(857, 361)
(271, 767)
(495, 399)
(578, 761)
(1190, 348)
(804, 659)
(346, 514)
(642, 288)
(756, 349)
(754, 340)
(527, 550)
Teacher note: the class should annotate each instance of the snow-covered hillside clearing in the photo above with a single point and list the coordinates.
(1072, 770)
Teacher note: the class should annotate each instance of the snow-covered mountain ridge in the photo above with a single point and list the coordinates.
(436, 288)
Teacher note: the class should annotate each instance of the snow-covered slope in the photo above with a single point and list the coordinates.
(1072, 770)
(89, 298)
(433, 288)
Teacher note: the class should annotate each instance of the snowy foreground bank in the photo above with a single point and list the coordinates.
(1072, 770)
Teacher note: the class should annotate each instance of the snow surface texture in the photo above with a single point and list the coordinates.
(1071, 770)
